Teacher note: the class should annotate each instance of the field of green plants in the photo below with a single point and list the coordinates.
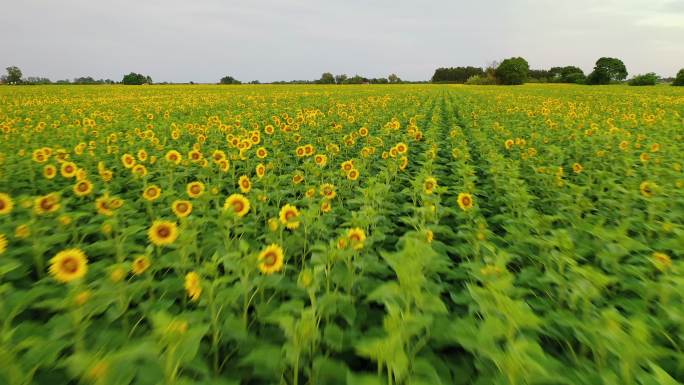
(354, 235)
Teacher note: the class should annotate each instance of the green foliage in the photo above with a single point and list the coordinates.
(13, 75)
(568, 74)
(229, 80)
(456, 74)
(679, 80)
(512, 71)
(607, 70)
(649, 79)
(326, 78)
(481, 80)
(136, 79)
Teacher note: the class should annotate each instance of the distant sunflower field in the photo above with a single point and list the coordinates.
(410, 234)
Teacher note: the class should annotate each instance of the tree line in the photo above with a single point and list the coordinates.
(511, 71)
(516, 70)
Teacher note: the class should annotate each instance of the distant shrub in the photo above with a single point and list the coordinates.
(649, 79)
(479, 80)
(512, 71)
(679, 80)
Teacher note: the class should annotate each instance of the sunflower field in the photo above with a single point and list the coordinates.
(409, 234)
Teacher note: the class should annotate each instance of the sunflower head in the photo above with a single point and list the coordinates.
(356, 237)
(193, 285)
(245, 184)
(237, 204)
(47, 204)
(151, 193)
(289, 216)
(162, 233)
(429, 185)
(647, 188)
(195, 189)
(181, 208)
(465, 201)
(6, 204)
(140, 264)
(271, 259)
(69, 265)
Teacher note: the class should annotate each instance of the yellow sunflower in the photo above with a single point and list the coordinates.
(353, 174)
(465, 201)
(49, 171)
(261, 153)
(46, 204)
(83, 188)
(288, 216)
(647, 188)
(193, 285)
(661, 261)
(128, 160)
(162, 233)
(238, 203)
(140, 264)
(181, 208)
(173, 156)
(356, 237)
(195, 189)
(69, 265)
(326, 206)
(429, 185)
(271, 259)
(577, 168)
(152, 193)
(245, 184)
(328, 190)
(260, 170)
(68, 169)
(6, 204)
(3, 243)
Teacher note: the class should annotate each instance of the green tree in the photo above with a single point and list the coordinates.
(679, 80)
(606, 70)
(512, 71)
(13, 75)
(340, 79)
(567, 74)
(136, 79)
(649, 79)
(327, 78)
(229, 80)
(393, 78)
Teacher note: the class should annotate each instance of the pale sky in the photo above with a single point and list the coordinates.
(267, 40)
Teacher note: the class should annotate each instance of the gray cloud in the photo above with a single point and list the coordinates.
(202, 40)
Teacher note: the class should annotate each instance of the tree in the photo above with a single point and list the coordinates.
(606, 70)
(136, 79)
(649, 79)
(512, 71)
(229, 80)
(340, 79)
(679, 80)
(568, 74)
(327, 78)
(456, 74)
(393, 78)
(13, 75)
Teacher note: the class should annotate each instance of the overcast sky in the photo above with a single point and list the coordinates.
(203, 40)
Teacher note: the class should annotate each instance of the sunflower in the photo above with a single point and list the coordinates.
(128, 160)
(22, 231)
(46, 204)
(644, 157)
(401, 148)
(325, 206)
(140, 264)
(403, 163)
(238, 203)
(297, 178)
(271, 259)
(195, 155)
(218, 156)
(661, 261)
(49, 171)
(68, 169)
(162, 233)
(245, 184)
(624, 145)
(224, 165)
(3, 243)
(646, 188)
(321, 159)
(151, 193)
(83, 188)
(173, 156)
(69, 265)
(353, 174)
(6, 204)
(577, 168)
(181, 208)
(429, 236)
(260, 170)
(363, 131)
(195, 189)
(465, 201)
(356, 237)
(193, 285)
(104, 205)
(328, 190)
(288, 216)
(273, 224)
(429, 185)
(508, 144)
(139, 170)
(347, 165)
(261, 153)
(655, 147)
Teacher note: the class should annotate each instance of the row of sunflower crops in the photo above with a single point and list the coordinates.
(411, 234)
